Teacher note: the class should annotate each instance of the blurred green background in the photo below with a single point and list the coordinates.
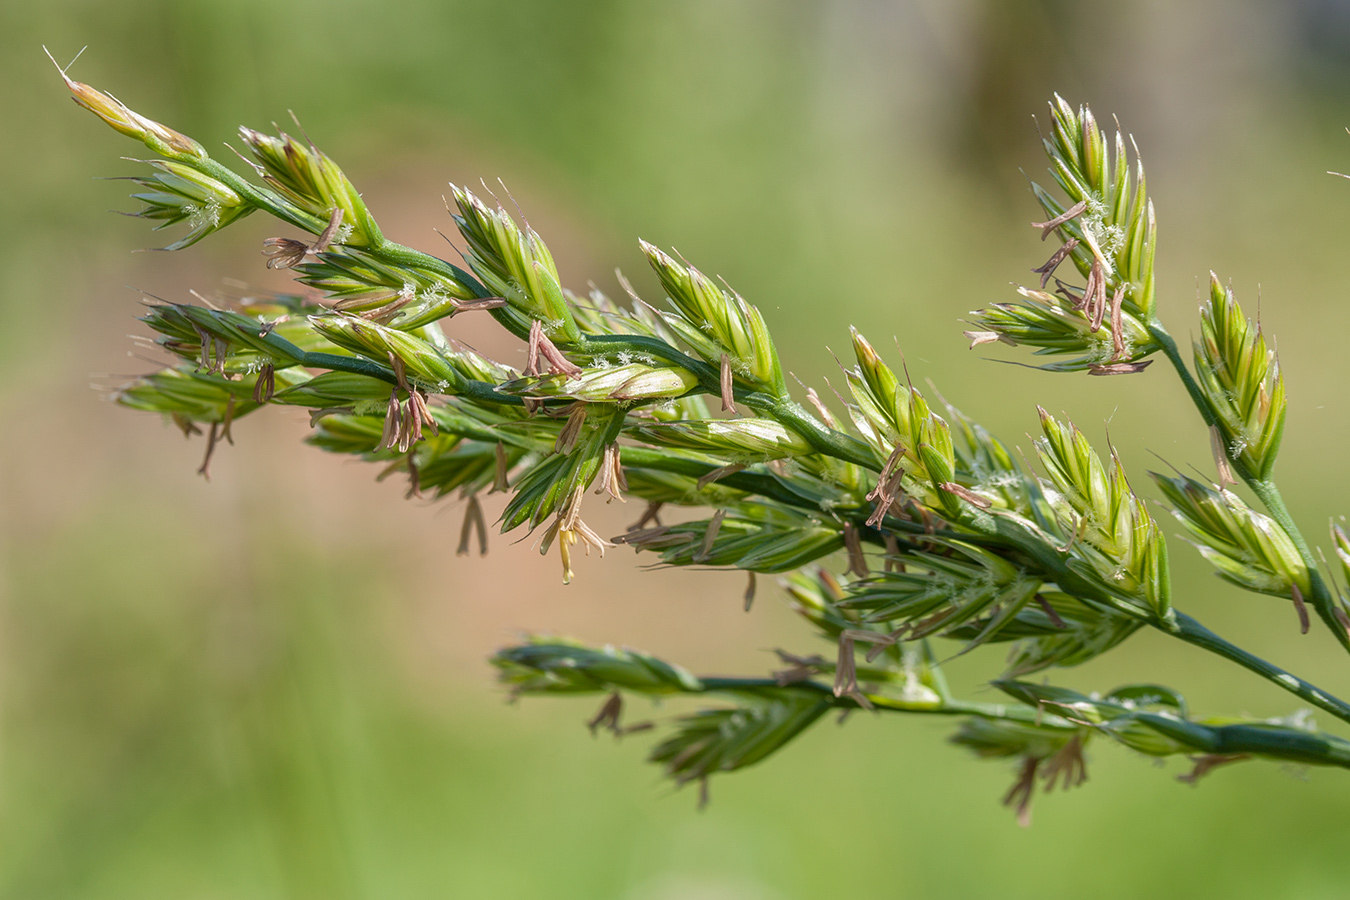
(273, 685)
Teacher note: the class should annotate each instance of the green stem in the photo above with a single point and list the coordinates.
(1277, 743)
(1173, 354)
(1192, 632)
(1015, 713)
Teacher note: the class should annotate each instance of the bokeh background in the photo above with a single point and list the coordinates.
(274, 685)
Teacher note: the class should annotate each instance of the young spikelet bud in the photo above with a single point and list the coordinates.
(1121, 547)
(404, 296)
(895, 419)
(558, 481)
(815, 595)
(1065, 632)
(1241, 380)
(755, 540)
(549, 666)
(739, 440)
(305, 176)
(1342, 543)
(1108, 234)
(514, 264)
(723, 740)
(421, 359)
(179, 193)
(1056, 326)
(723, 324)
(968, 591)
(159, 138)
(624, 384)
(1246, 547)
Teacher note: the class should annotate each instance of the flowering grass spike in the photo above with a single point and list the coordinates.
(902, 538)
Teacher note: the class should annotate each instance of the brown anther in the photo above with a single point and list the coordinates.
(185, 425)
(1208, 762)
(890, 640)
(1094, 296)
(1303, 622)
(481, 303)
(326, 236)
(318, 414)
(728, 391)
(893, 561)
(541, 346)
(610, 477)
(571, 431)
(887, 488)
(1118, 324)
(284, 253)
(800, 668)
(846, 669)
(1019, 796)
(265, 385)
(608, 716)
(392, 414)
(1049, 610)
(1220, 452)
(651, 514)
(749, 595)
(400, 370)
(821, 409)
(1120, 368)
(987, 337)
(718, 474)
(500, 484)
(710, 536)
(966, 494)
(418, 405)
(532, 349)
(211, 436)
(1341, 617)
(1047, 269)
(473, 522)
(1049, 225)
(857, 560)
(1067, 766)
(414, 477)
